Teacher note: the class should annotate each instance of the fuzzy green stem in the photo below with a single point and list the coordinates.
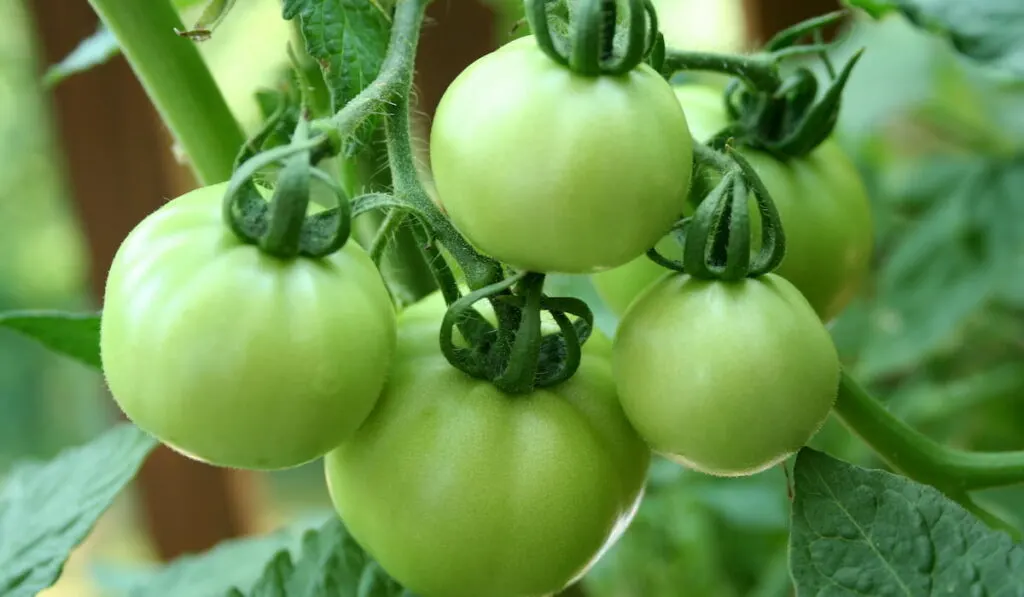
(395, 84)
(918, 456)
(177, 81)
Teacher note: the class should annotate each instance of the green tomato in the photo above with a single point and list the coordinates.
(822, 203)
(727, 378)
(460, 490)
(620, 286)
(234, 357)
(549, 171)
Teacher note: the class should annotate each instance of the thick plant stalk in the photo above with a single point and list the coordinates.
(177, 81)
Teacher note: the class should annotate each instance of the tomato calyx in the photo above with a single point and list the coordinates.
(716, 240)
(516, 356)
(781, 115)
(589, 47)
(281, 226)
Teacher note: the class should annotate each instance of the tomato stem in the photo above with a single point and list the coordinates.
(287, 211)
(587, 33)
(520, 371)
(953, 471)
(178, 83)
(480, 271)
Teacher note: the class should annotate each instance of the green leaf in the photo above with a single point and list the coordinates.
(348, 38)
(869, 532)
(92, 51)
(964, 248)
(47, 509)
(234, 563)
(76, 335)
(332, 565)
(987, 31)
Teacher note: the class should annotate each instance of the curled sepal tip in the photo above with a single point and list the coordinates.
(518, 357)
(791, 35)
(773, 237)
(717, 240)
(819, 119)
(281, 227)
(561, 353)
(679, 231)
(717, 244)
(590, 49)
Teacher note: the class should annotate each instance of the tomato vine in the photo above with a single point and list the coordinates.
(211, 137)
(491, 325)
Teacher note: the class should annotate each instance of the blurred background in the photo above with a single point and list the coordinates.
(938, 332)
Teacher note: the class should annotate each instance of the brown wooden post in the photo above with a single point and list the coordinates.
(119, 168)
(456, 34)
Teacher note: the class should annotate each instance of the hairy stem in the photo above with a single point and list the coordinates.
(395, 83)
(762, 74)
(177, 81)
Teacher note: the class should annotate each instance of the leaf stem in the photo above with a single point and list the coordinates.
(178, 83)
(951, 470)
(761, 73)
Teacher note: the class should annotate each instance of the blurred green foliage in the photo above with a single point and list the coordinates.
(46, 401)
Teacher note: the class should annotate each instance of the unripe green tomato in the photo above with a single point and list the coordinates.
(235, 357)
(550, 171)
(460, 490)
(823, 205)
(620, 286)
(727, 378)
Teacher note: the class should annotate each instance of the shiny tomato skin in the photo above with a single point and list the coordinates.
(727, 378)
(460, 490)
(551, 171)
(234, 357)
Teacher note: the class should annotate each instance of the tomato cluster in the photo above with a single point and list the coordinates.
(243, 359)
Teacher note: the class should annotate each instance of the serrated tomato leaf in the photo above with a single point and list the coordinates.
(869, 532)
(92, 51)
(331, 565)
(348, 38)
(987, 31)
(76, 335)
(235, 563)
(48, 508)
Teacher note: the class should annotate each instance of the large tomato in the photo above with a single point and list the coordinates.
(460, 490)
(824, 209)
(728, 378)
(235, 357)
(548, 170)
